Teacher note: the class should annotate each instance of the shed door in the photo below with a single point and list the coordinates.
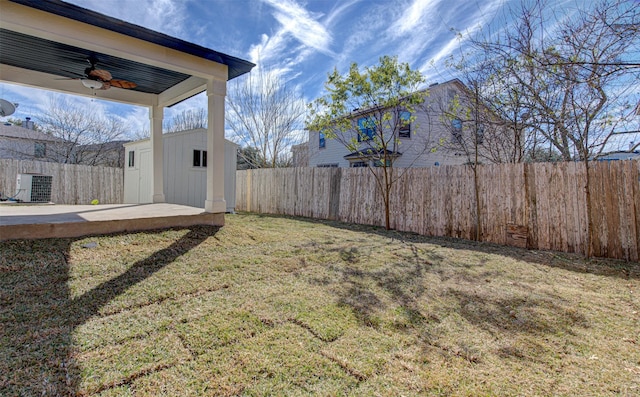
(146, 176)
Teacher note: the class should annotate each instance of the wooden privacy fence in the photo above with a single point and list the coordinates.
(71, 184)
(538, 206)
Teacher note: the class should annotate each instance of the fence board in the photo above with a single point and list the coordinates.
(635, 199)
(71, 183)
(542, 203)
(599, 220)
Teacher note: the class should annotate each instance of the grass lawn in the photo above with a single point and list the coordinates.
(284, 306)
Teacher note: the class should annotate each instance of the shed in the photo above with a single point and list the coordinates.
(184, 170)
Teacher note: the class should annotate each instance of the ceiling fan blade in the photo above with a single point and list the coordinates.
(80, 75)
(122, 83)
(100, 74)
(99, 79)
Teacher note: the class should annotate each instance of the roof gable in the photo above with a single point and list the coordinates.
(17, 132)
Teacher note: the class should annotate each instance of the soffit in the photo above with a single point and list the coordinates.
(47, 44)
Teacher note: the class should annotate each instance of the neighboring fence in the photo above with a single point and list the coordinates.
(72, 184)
(539, 206)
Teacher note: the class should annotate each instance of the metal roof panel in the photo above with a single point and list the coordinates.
(236, 66)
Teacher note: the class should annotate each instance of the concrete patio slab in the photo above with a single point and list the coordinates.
(18, 221)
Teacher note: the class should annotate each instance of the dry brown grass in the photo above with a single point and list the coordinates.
(284, 306)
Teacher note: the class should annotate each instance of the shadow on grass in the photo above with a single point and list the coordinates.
(402, 284)
(38, 315)
(399, 298)
(567, 261)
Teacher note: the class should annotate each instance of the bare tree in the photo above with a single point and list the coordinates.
(565, 81)
(85, 137)
(189, 119)
(266, 114)
(566, 78)
(477, 131)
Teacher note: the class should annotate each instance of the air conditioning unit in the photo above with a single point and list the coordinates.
(33, 188)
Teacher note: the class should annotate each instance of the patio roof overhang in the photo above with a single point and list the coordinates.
(46, 44)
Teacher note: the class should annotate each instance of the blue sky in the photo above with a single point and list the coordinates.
(302, 40)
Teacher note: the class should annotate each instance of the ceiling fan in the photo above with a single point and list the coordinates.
(100, 79)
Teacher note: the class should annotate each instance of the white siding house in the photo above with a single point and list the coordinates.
(18, 142)
(634, 155)
(21, 143)
(185, 170)
(424, 145)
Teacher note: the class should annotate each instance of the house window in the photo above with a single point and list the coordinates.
(200, 158)
(365, 128)
(322, 141)
(456, 125)
(378, 163)
(332, 165)
(132, 156)
(39, 150)
(405, 125)
(358, 164)
(451, 94)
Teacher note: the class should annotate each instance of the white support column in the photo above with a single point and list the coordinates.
(216, 92)
(157, 152)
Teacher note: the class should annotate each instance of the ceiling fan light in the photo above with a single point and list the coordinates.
(93, 84)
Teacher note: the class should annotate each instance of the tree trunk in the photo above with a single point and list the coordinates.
(476, 185)
(587, 191)
(387, 195)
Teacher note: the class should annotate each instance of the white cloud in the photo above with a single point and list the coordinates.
(136, 119)
(275, 54)
(30, 99)
(416, 28)
(415, 18)
(302, 25)
(338, 11)
(469, 26)
(299, 36)
(166, 16)
(446, 50)
(285, 67)
(269, 50)
(362, 38)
